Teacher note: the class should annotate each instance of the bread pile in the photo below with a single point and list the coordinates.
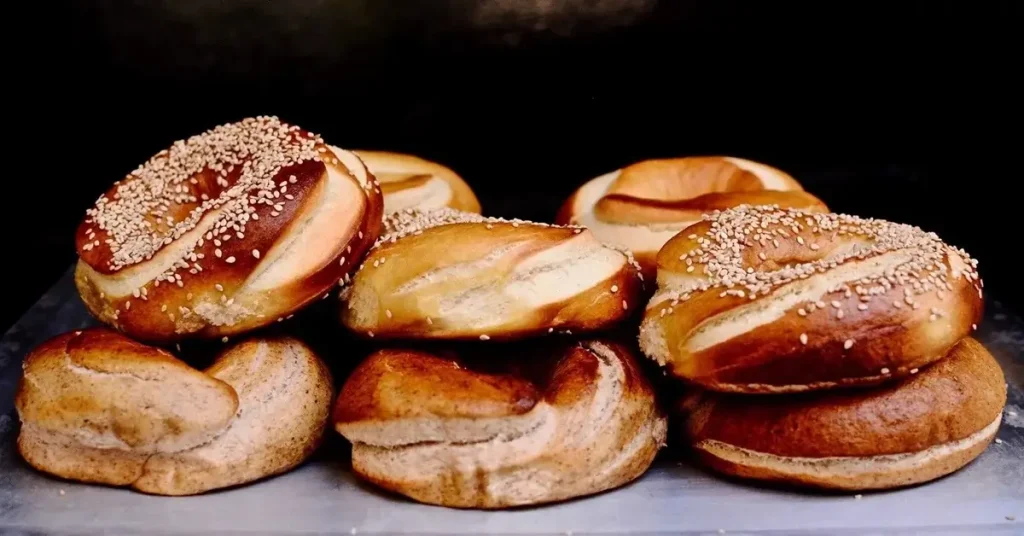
(821, 349)
(817, 349)
(470, 421)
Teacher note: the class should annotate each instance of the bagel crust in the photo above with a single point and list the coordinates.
(495, 433)
(411, 182)
(763, 299)
(226, 232)
(454, 275)
(98, 407)
(921, 428)
(642, 206)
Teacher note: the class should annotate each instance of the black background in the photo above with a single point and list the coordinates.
(906, 111)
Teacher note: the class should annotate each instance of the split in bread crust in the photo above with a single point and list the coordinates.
(98, 407)
(411, 182)
(642, 206)
(763, 299)
(453, 275)
(226, 232)
(908, 432)
(538, 426)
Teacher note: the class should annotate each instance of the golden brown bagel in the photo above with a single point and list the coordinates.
(454, 275)
(409, 181)
(491, 432)
(226, 232)
(762, 299)
(642, 206)
(907, 432)
(98, 407)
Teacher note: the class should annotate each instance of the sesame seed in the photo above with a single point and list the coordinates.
(885, 371)
(341, 262)
(815, 247)
(615, 288)
(224, 339)
(163, 308)
(862, 306)
(848, 344)
(388, 313)
(127, 305)
(430, 321)
(256, 253)
(551, 330)
(370, 333)
(219, 287)
(625, 305)
(218, 253)
(914, 370)
(230, 260)
(762, 256)
(836, 304)
(999, 441)
(840, 314)
(974, 327)
(801, 311)
(803, 338)
(485, 338)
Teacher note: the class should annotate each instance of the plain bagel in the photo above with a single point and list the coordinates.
(642, 206)
(763, 299)
(446, 274)
(225, 232)
(98, 407)
(926, 426)
(409, 181)
(525, 427)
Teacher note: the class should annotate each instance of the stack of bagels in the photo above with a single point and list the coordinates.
(815, 348)
(819, 349)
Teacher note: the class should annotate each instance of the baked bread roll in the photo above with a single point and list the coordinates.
(98, 407)
(642, 206)
(762, 299)
(411, 182)
(536, 427)
(454, 275)
(225, 232)
(907, 432)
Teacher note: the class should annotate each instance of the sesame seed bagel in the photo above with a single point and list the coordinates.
(455, 275)
(642, 206)
(763, 299)
(98, 407)
(225, 232)
(528, 426)
(926, 426)
(409, 181)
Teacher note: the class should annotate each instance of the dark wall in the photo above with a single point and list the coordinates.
(889, 109)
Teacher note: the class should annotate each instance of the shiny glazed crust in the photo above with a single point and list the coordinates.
(409, 181)
(912, 431)
(761, 299)
(98, 407)
(226, 232)
(640, 207)
(496, 433)
(451, 275)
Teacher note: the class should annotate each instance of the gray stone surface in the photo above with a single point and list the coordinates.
(673, 497)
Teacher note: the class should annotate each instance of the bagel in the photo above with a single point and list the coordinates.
(763, 299)
(454, 275)
(225, 232)
(642, 206)
(537, 427)
(409, 181)
(926, 426)
(98, 407)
